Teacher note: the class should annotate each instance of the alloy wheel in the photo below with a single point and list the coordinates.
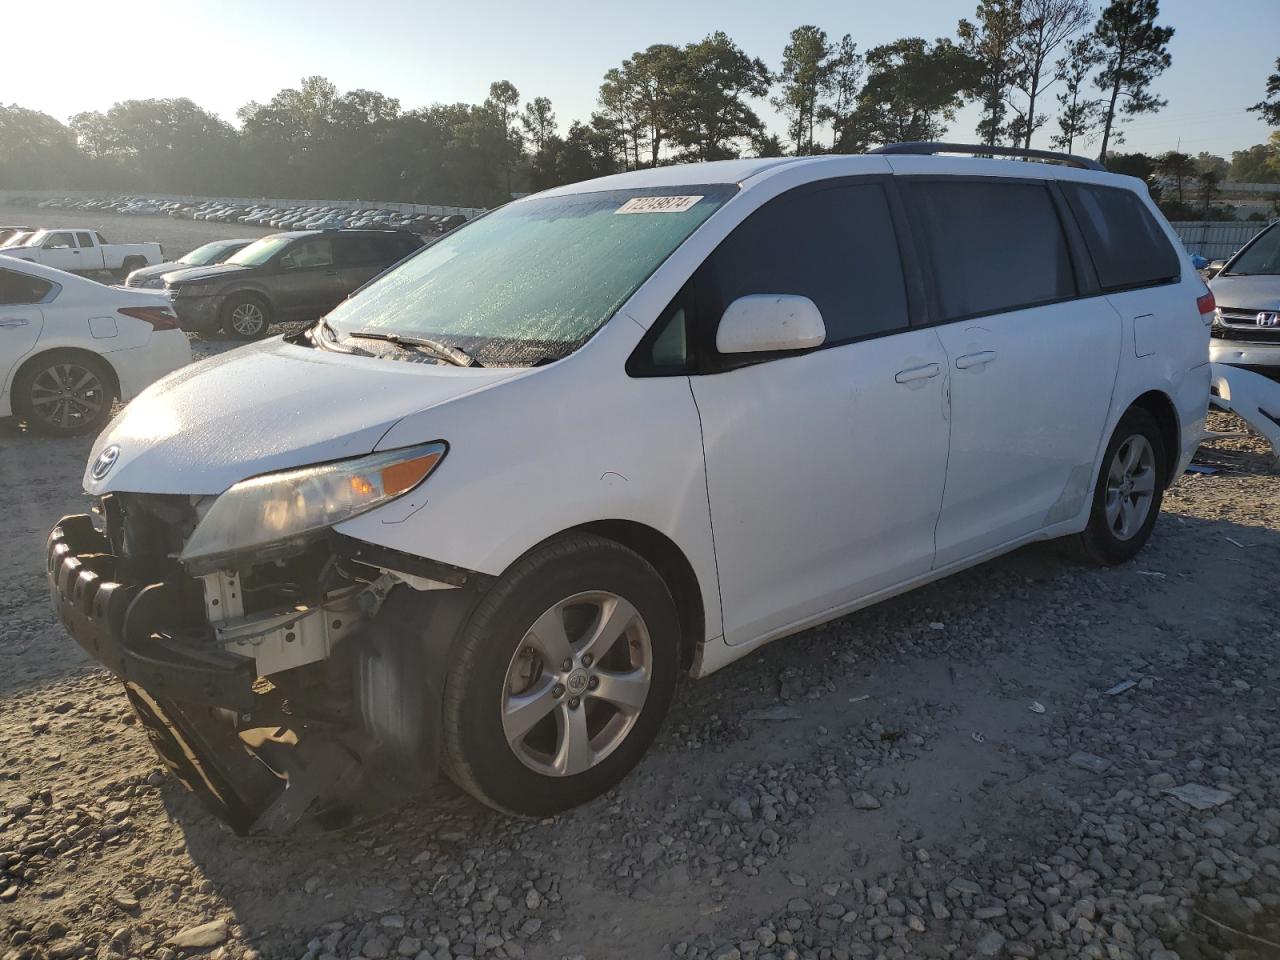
(1131, 485)
(67, 395)
(248, 319)
(577, 683)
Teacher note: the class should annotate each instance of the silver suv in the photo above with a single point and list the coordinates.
(1246, 324)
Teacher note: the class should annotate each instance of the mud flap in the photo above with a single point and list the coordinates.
(1251, 397)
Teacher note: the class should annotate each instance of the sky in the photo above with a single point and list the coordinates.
(223, 54)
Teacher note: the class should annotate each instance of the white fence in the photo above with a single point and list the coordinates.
(1216, 239)
(431, 209)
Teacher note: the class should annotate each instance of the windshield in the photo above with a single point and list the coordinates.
(260, 251)
(34, 238)
(203, 256)
(1263, 257)
(535, 279)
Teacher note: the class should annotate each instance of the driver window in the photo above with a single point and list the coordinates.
(317, 252)
(59, 241)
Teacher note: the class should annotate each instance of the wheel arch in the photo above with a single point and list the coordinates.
(1160, 406)
(34, 359)
(672, 565)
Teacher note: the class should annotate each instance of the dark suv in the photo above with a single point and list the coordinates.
(298, 275)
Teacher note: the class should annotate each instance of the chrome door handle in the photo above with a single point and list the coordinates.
(14, 322)
(975, 359)
(927, 372)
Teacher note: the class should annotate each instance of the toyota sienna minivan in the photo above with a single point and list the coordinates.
(482, 516)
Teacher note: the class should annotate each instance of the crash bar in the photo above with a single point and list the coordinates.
(930, 147)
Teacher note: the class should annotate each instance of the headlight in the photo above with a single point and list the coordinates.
(295, 504)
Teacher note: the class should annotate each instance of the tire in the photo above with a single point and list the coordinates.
(246, 316)
(496, 654)
(1129, 492)
(53, 395)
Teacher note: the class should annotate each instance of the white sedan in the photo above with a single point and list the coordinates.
(70, 347)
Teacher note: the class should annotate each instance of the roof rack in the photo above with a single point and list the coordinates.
(930, 147)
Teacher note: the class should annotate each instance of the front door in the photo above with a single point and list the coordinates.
(1031, 364)
(307, 283)
(59, 250)
(824, 469)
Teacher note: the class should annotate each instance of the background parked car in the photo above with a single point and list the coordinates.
(82, 250)
(70, 347)
(1246, 324)
(7, 232)
(286, 276)
(215, 252)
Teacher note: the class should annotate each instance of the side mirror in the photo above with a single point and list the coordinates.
(768, 322)
(1215, 267)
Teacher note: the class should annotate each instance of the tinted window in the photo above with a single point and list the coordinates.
(369, 249)
(84, 239)
(993, 246)
(835, 245)
(316, 252)
(18, 288)
(1126, 245)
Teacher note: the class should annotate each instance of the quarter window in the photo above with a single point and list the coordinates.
(84, 239)
(20, 288)
(835, 245)
(994, 246)
(1126, 245)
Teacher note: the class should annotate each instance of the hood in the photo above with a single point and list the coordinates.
(10, 251)
(211, 272)
(265, 407)
(1256, 292)
(148, 273)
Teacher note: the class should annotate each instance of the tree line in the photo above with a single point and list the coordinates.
(1036, 68)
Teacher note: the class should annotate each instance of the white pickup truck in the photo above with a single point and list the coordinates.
(82, 250)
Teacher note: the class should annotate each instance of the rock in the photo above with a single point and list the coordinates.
(1088, 761)
(533, 899)
(125, 901)
(990, 945)
(864, 801)
(198, 938)
(740, 807)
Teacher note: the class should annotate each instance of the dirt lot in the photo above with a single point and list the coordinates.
(175, 235)
(945, 775)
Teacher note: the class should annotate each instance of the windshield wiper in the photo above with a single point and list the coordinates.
(458, 358)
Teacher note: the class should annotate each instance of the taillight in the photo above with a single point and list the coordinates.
(1206, 305)
(160, 318)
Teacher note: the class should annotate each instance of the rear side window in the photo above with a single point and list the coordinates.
(1126, 245)
(835, 245)
(84, 239)
(19, 288)
(994, 246)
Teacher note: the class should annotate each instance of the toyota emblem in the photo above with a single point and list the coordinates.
(106, 460)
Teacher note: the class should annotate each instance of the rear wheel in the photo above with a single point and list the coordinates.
(561, 678)
(64, 393)
(1129, 492)
(245, 316)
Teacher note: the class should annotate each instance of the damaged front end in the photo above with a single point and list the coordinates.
(297, 686)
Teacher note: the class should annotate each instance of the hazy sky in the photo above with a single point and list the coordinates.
(222, 54)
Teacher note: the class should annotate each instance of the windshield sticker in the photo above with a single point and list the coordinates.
(657, 205)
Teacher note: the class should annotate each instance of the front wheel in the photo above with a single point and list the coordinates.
(561, 678)
(245, 317)
(1129, 491)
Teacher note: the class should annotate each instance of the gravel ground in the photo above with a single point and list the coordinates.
(177, 236)
(950, 774)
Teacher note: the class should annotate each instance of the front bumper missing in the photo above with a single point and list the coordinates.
(254, 750)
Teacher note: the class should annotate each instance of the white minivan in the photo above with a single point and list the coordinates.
(483, 516)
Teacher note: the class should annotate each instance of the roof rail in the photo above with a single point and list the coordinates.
(930, 147)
